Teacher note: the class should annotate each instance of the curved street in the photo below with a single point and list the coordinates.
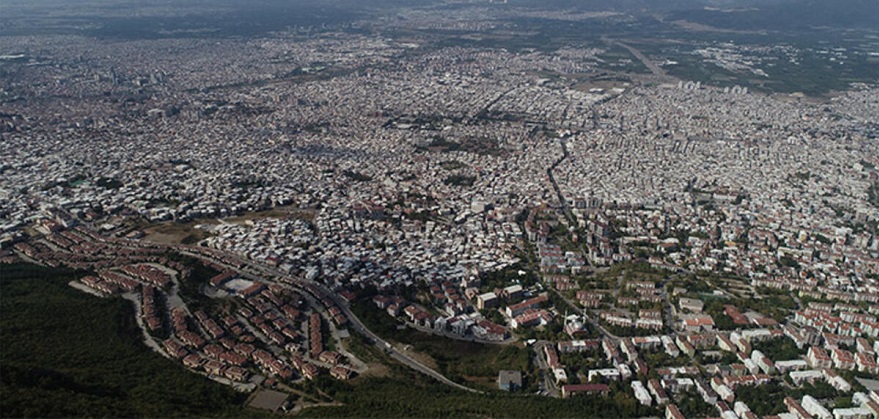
(257, 271)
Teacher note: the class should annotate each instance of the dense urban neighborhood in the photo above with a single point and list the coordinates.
(293, 207)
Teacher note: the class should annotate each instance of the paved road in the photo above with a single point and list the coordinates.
(147, 339)
(655, 69)
(562, 201)
(358, 327)
(548, 377)
(468, 338)
(85, 288)
(257, 271)
(589, 318)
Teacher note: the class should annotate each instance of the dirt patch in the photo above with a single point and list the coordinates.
(176, 233)
(186, 233)
(374, 370)
(418, 356)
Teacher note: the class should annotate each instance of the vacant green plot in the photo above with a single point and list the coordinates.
(411, 395)
(465, 362)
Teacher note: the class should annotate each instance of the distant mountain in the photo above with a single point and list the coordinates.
(739, 14)
(783, 14)
(615, 5)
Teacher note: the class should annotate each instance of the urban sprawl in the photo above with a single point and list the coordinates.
(635, 230)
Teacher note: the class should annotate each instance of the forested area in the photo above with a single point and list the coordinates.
(411, 396)
(67, 353)
(407, 393)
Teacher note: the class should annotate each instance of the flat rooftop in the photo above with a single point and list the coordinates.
(269, 400)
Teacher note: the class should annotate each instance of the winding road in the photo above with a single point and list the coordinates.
(256, 271)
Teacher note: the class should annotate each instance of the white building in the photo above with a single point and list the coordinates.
(799, 377)
(641, 393)
(793, 365)
(814, 408)
(605, 374)
(852, 413)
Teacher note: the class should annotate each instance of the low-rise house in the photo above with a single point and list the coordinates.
(570, 390)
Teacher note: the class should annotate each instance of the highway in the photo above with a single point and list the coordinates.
(259, 272)
(655, 69)
(256, 271)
